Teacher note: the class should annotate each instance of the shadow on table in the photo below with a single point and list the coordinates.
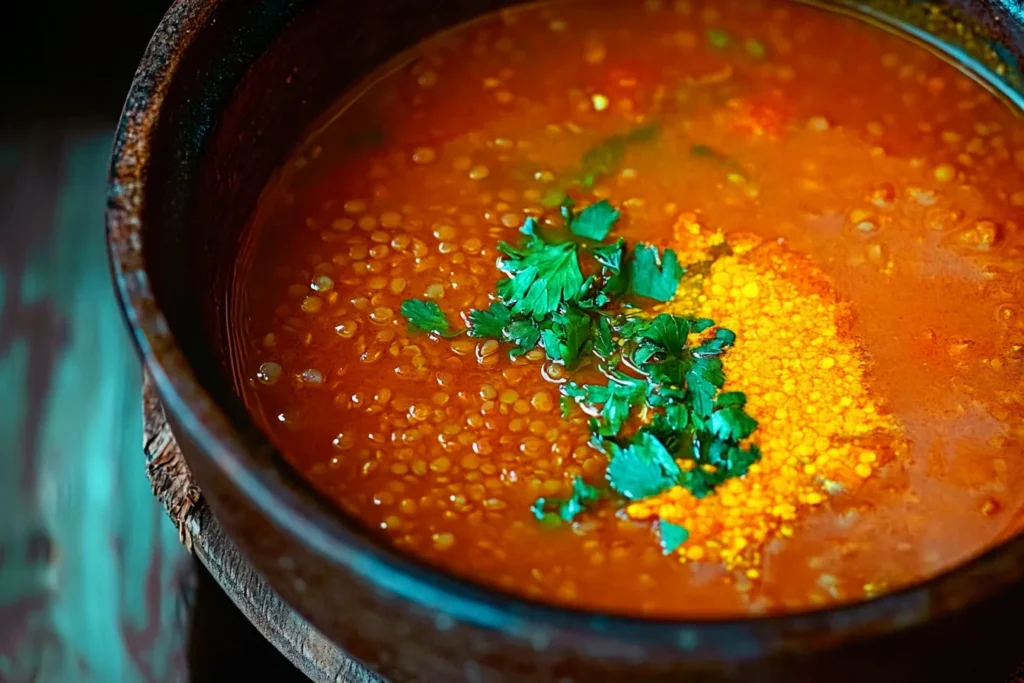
(223, 645)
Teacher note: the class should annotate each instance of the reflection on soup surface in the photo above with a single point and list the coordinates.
(666, 307)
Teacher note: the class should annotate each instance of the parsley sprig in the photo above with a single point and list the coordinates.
(660, 414)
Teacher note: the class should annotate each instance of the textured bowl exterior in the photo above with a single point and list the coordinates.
(223, 92)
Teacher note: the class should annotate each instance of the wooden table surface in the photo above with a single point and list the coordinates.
(97, 585)
(309, 651)
(92, 576)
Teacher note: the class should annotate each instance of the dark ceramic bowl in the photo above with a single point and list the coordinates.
(223, 93)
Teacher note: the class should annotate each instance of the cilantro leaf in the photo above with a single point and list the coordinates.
(428, 317)
(595, 221)
(604, 344)
(601, 160)
(672, 536)
(731, 398)
(703, 379)
(676, 417)
(718, 38)
(582, 496)
(611, 258)
(567, 337)
(565, 406)
(616, 398)
(541, 275)
(730, 422)
(642, 469)
(669, 332)
(524, 334)
(704, 151)
(644, 133)
(654, 275)
(490, 322)
(755, 48)
(553, 198)
(607, 156)
(716, 346)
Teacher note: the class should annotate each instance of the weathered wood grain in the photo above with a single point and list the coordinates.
(304, 646)
(93, 581)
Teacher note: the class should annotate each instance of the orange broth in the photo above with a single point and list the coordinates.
(868, 183)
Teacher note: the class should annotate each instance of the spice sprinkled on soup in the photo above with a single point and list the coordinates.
(717, 304)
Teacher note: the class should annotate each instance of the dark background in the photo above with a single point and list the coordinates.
(64, 59)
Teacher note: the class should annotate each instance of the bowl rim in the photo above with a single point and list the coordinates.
(377, 563)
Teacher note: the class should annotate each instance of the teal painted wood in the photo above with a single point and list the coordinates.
(93, 579)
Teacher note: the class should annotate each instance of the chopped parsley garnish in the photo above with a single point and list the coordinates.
(660, 414)
(582, 496)
(542, 276)
(672, 536)
(601, 160)
(655, 275)
(755, 48)
(718, 38)
(567, 336)
(489, 323)
(427, 316)
(642, 469)
(595, 221)
(730, 422)
(616, 400)
(606, 157)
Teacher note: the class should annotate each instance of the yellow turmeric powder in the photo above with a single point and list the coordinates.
(805, 377)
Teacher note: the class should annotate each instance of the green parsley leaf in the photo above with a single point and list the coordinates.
(595, 221)
(556, 196)
(490, 322)
(716, 346)
(669, 332)
(524, 334)
(607, 156)
(642, 469)
(731, 422)
(601, 160)
(582, 496)
(703, 379)
(644, 133)
(671, 372)
(755, 48)
(565, 404)
(428, 317)
(718, 38)
(654, 275)
(731, 399)
(701, 325)
(604, 344)
(541, 275)
(611, 257)
(568, 336)
(704, 151)
(616, 398)
(729, 461)
(672, 536)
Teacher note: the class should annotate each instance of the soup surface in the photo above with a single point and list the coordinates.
(758, 343)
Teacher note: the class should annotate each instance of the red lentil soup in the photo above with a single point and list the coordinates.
(844, 202)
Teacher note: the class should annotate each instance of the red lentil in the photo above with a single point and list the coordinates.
(870, 193)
